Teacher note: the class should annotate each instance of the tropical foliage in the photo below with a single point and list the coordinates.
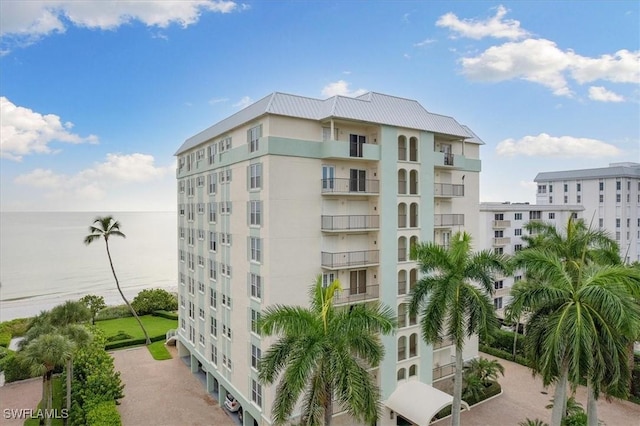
(150, 300)
(583, 311)
(324, 351)
(104, 228)
(453, 297)
(95, 304)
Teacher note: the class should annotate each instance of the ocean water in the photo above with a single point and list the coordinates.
(44, 261)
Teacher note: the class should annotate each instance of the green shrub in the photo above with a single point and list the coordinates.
(16, 327)
(14, 368)
(503, 340)
(156, 299)
(5, 339)
(4, 352)
(577, 419)
(111, 312)
(166, 314)
(504, 355)
(132, 342)
(492, 390)
(120, 336)
(104, 414)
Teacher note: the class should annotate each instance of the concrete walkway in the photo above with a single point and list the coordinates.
(524, 396)
(22, 395)
(164, 392)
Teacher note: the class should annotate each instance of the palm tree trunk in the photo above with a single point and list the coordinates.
(560, 398)
(133, 311)
(592, 406)
(457, 389)
(69, 377)
(328, 407)
(49, 402)
(515, 337)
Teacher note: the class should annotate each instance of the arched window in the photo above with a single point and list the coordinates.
(413, 370)
(402, 148)
(402, 348)
(413, 215)
(413, 241)
(413, 345)
(402, 374)
(402, 249)
(402, 315)
(402, 282)
(413, 182)
(413, 149)
(402, 181)
(413, 319)
(413, 278)
(402, 215)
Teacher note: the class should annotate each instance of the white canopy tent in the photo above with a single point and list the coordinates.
(419, 402)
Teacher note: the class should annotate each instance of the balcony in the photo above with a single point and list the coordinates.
(350, 259)
(350, 186)
(443, 220)
(350, 223)
(456, 162)
(501, 224)
(444, 343)
(502, 241)
(355, 295)
(444, 371)
(448, 190)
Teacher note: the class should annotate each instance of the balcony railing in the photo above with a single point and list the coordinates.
(448, 190)
(448, 159)
(348, 259)
(444, 343)
(502, 241)
(350, 186)
(444, 371)
(448, 219)
(501, 224)
(350, 222)
(370, 292)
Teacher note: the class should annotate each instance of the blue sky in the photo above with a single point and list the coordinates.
(96, 96)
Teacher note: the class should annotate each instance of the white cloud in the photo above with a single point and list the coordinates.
(599, 93)
(94, 183)
(621, 67)
(495, 26)
(217, 100)
(244, 102)
(24, 132)
(341, 88)
(27, 21)
(544, 145)
(424, 42)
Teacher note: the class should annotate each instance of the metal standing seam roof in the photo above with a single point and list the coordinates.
(627, 170)
(370, 107)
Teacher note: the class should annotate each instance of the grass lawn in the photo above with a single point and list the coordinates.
(159, 351)
(155, 326)
(57, 405)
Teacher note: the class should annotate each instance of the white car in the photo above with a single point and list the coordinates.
(232, 404)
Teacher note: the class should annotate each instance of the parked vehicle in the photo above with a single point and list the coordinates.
(231, 403)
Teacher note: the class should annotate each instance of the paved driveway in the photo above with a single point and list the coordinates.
(163, 392)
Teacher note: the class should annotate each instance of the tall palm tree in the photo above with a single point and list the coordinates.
(582, 309)
(105, 227)
(453, 297)
(43, 355)
(324, 351)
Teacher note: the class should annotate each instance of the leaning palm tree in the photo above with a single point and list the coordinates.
(453, 297)
(324, 351)
(43, 355)
(105, 227)
(580, 323)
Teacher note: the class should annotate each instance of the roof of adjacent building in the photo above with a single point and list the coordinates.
(614, 170)
(525, 207)
(370, 107)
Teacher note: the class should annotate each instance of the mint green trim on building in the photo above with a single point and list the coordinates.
(388, 244)
(460, 162)
(341, 149)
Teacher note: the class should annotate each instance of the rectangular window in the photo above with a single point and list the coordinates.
(213, 298)
(211, 153)
(213, 212)
(566, 188)
(357, 180)
(535, 214)
(328, 176)
(517, 232)
(497, 303)
(255, 283)
(618, 185)
(497, 285)
(181, 186)
(517, 247)
(550, 200)
(498, 250)
(213, 241)
(255, 176)
(358, 282)
(253, 137)
(578, 199)
(517, 216)
(212, 183)
(550, 188)
(328, 278)
(200, 261)
(181, 209)
(498, 234)
(213, 270)
(256, 354)
(578, 187)
(542, 189)
(255, 317)
(200, 208)
(618, 223)
(213, 327)
(191, 310)
(201, 313)
(601, 186)
(255, 212)
(618, 198)
(201, 287)
(214, 355)
(552, 215)
(517, 278)
(256, 392)
(566, 199)
(602, 198)
(255, 246)
(498, 216)
(200, 181)
(356, 143)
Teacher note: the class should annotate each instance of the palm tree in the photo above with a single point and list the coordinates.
(578, 327)
(485, 369)
(43, 355)
(453, 297)
(324, 351)
(105, 227)
(582, 313)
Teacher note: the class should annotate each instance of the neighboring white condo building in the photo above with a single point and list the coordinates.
(610, 196)
(292, 187)
(502, 229)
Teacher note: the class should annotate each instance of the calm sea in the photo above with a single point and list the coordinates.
(44, 261)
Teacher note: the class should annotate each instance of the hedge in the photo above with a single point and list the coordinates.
(503, 354)
(104, 414)
(16, 327)
(13, 368)
(166, 314)
(5, 339)
(502, 339)
(132, 342)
